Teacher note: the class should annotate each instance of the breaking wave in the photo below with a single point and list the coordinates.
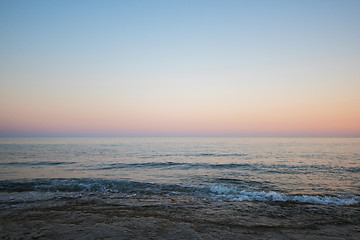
(235, 195)
(9, 189)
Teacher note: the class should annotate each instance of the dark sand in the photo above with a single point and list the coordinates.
(176, 218)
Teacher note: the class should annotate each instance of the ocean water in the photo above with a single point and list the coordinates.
(296, 170)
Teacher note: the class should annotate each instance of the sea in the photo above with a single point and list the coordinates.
(316, 171)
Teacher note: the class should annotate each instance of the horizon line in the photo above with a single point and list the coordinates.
(177, 136)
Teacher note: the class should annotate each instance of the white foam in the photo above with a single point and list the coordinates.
(232, 194)
(221, 190)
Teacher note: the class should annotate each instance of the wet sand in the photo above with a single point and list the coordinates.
(176, 218)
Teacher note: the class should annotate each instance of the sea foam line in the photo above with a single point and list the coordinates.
(215, 192)
(234, 195)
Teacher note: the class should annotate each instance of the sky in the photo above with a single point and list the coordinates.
(180, 68)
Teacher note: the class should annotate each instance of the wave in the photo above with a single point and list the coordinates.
(234, 195)
(178, 165)
(119, 187)
(36, 163)
(271, 169)
(89, 185)
(197, 155)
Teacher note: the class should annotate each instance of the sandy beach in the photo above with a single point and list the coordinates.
(176, 218)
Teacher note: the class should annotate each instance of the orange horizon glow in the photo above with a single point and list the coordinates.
(192, 121)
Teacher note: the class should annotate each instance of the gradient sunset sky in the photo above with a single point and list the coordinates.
(180, 68)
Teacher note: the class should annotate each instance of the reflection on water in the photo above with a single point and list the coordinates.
(293, 166)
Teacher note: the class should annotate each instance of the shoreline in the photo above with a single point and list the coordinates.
(176, 218)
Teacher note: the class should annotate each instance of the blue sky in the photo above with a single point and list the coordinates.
(180, 67)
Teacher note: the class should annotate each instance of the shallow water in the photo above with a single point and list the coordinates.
(180, 188)
(320, 171)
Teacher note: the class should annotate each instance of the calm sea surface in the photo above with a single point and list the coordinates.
(307, 170)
